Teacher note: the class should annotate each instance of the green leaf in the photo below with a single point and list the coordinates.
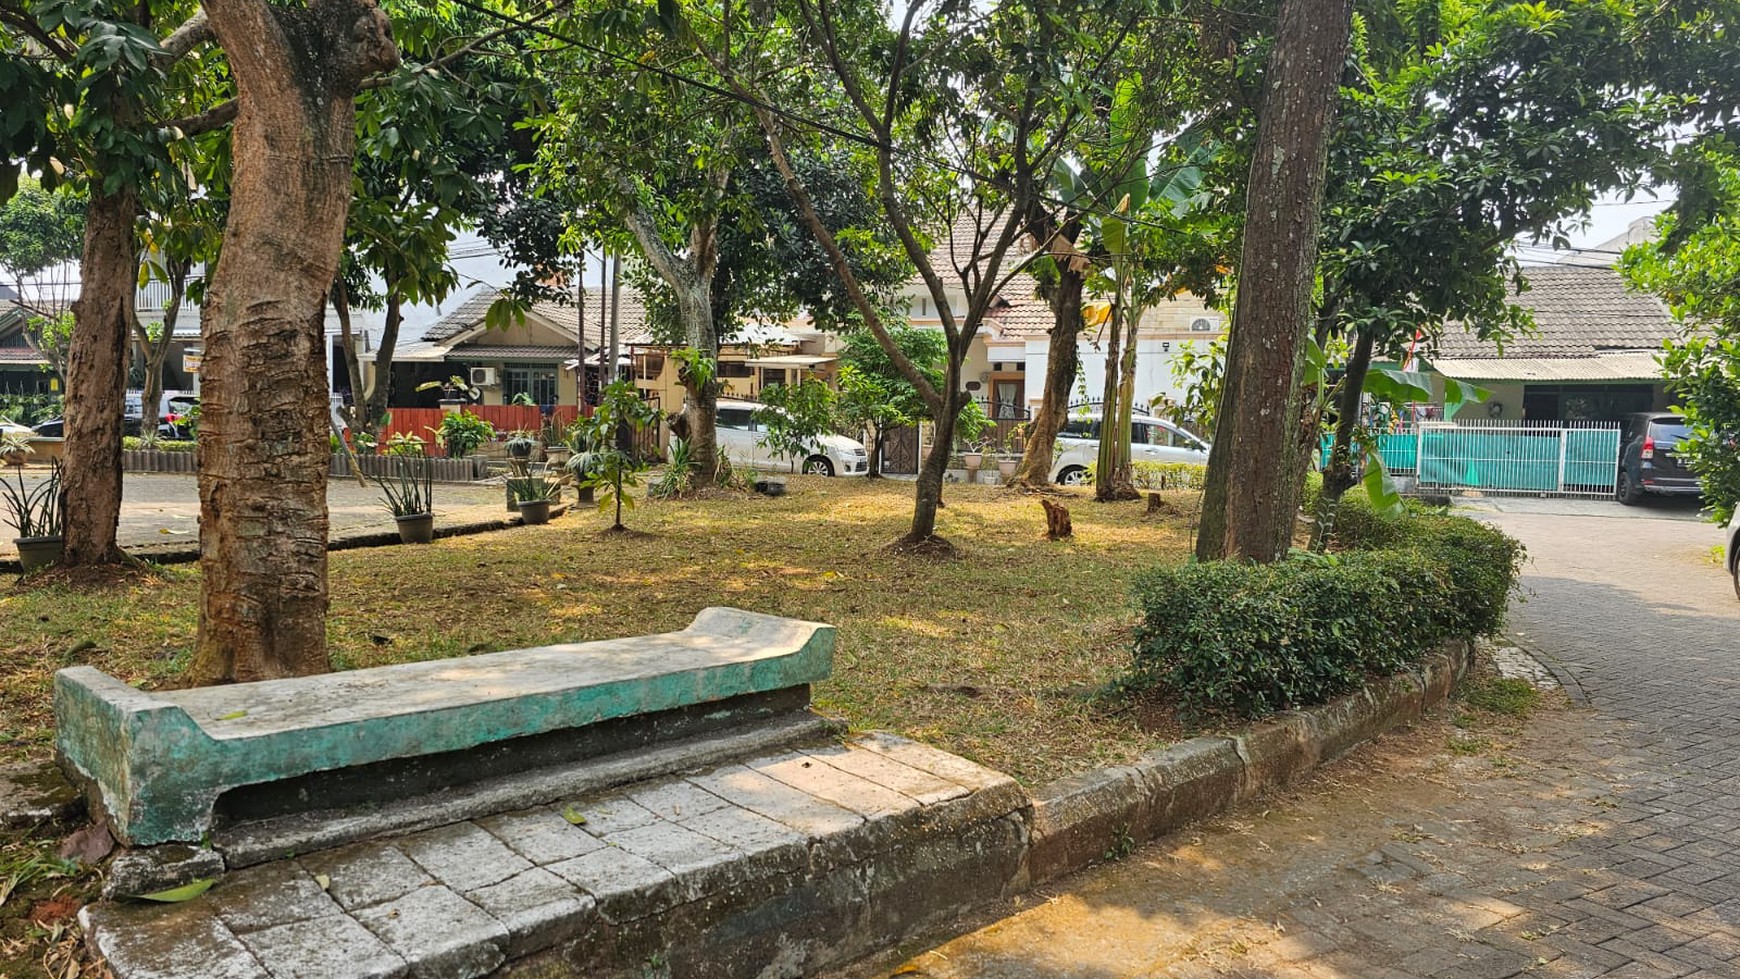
(1379, 487)
(185, 892)
(233, 715)
(572, 815)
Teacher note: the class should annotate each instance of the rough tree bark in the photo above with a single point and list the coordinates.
(1248, 506)
(263, 425)
(96, 378)
(1062, 363)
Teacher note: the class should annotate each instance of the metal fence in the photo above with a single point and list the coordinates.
(1492, 456)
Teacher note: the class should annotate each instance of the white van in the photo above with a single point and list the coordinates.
(740, 436)
(1151, 440)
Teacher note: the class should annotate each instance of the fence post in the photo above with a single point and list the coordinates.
(1564, 440)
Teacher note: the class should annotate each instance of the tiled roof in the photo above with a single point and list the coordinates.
(21, 355)
(519, 353)
(1580, 311)
(564, 317)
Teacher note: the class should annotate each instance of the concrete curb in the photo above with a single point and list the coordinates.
(1084, 819)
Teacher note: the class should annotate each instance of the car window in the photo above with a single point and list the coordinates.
(737, 418)
(1078, 428)
(1667, 430)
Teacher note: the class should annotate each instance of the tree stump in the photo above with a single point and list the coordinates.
(1057, 525)
(1157, 504)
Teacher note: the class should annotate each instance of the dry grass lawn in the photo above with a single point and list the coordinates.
(997, 655)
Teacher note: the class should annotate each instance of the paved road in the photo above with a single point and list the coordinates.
(1590, 841)
(163, 508)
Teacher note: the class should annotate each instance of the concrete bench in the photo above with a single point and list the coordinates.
(156, 764)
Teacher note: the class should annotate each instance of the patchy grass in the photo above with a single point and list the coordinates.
(998, 655)
(1507, 696)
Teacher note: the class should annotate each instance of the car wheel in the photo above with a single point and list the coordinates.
(818, 466)
(1073, 476)
(1736, 581)
(1626, 491)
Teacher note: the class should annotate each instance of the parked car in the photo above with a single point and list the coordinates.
(1151, 440)
(175, 406)
(1733, 552)
(1647, 460)
(9, 427)
(740, 436)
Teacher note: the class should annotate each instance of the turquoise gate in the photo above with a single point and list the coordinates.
(1536, 458)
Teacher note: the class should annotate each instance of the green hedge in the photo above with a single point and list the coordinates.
(1250, 639)
(1164, 475)
(161, 445)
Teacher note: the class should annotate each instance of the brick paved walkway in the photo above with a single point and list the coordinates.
(1592, 841)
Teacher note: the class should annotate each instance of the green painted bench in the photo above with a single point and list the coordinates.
(156, 764)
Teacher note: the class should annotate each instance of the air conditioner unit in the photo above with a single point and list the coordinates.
(1202, 324)
(483, 377)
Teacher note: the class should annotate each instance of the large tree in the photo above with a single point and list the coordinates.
(263, 426)
(95, 83)
(1458, 135)
(1250, 496)
(962, 113)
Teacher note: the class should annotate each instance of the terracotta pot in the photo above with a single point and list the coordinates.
(416, 528)
(1006, 467)
(35, 553)
(534, 511)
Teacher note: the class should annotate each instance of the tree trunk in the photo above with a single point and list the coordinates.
(1112, 468)
(928, 499)
(96, 375)
(263, 429)
(156, 352)
(1124, 477)
(1338, 475)
(1062, 363)
(1245, 503)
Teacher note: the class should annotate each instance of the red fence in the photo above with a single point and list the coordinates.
(506, 418)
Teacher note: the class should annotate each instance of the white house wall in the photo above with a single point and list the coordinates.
(1154, 359)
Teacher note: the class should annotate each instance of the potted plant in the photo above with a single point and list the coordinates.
(15, 445)
(1011, 454)
(521, 444)
(453, 391)
(410, 493)
(533, 496)
(970, 426)
(35, 513)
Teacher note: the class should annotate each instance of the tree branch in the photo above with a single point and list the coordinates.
(185, 38)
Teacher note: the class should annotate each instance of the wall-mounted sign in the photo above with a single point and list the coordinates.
(190, 360)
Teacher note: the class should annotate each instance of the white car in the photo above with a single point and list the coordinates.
(1151, 440)
(740, 436)
(9, 427)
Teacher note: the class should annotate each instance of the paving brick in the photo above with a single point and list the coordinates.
(366, 873)
(438, 933)
(319, 948)
(539, 910)
(542, 836)
(463, 856)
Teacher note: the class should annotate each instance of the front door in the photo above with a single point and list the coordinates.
(1006, 400)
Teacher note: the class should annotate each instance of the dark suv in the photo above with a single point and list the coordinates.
(1647, 460)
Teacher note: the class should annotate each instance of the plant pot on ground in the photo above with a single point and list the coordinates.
(408, 488)
(1006, 467)
(533, 496)
(35, 513)
(521, 445)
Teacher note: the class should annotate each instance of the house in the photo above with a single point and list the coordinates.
(536, 356)
(1005, 368)
(540, 355)
(1592, 356)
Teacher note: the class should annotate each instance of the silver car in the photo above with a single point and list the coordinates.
(1151, 440)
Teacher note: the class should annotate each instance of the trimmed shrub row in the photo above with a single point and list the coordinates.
(1251, 639)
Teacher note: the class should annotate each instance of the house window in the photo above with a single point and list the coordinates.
(539, 383)
(652, 364)
(735, 368)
